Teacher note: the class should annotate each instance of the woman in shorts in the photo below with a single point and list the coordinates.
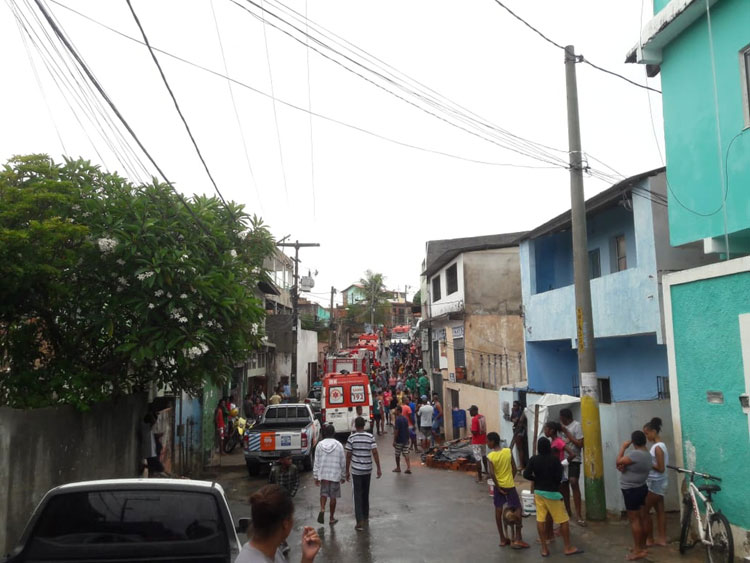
(657, 484)
(635, 467)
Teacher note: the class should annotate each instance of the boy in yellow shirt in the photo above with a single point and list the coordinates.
(502, 470)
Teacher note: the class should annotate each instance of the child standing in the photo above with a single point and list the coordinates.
(502, 468)
(329, 471)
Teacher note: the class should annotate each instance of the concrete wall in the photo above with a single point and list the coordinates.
(705, 308)
(307, 352)
(488, 401)
(492, 281)
(494, 349)
(43, 448)
(696, 161)
(618, 421)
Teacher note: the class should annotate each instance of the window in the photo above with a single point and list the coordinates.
(459, 356)
(436, 289)
(662, 386)
(745, 77)
(595, 264)
(435, 354)
(451, 279)
(117, 517)
(605, 392)
(621, 259)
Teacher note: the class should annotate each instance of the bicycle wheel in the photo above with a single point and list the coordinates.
(687, 515)
(722, 550)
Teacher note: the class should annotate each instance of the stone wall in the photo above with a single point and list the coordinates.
(43, 448)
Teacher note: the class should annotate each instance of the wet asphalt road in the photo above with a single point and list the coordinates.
(432, 515)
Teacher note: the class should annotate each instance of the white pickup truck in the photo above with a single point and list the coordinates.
(284, 428)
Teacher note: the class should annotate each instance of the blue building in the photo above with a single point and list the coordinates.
(629, 252)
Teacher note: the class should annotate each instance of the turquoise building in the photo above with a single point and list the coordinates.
(701, 48)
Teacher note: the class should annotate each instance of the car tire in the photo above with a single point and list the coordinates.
(253, 468)
(307, 463)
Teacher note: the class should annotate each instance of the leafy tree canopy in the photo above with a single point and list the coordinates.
(374, 304)
(108, 288)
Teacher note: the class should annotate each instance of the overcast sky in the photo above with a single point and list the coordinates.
(374, 202)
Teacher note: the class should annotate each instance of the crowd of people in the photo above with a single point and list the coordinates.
(404, 406)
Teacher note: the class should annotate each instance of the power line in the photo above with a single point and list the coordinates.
(549, 159)
(62, 79)
(299, 108)
(236, 112)
(174, 100)
(442, 101)
(581, 58)
(61, 36)
(309, 115)
(273, 101)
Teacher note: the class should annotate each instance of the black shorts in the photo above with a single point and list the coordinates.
(574, 470)
(376, 416)
(635, 498)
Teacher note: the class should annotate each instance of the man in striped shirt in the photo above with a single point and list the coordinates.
(360, 451)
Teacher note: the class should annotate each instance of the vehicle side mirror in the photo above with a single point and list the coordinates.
(243, 525)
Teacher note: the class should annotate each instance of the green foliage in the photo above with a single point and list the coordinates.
(374, 303)
(417, 299)
(108, 288)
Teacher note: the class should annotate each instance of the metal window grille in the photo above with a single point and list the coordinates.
(662, 385)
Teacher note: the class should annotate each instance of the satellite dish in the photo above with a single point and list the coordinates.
(306, 283)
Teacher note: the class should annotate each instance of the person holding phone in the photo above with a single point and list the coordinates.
(272, 511)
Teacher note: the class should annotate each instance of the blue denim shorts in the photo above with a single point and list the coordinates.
(658, 486)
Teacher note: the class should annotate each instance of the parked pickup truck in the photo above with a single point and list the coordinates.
(131, 521)
(284, 428)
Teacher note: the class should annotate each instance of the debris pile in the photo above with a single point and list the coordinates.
(456, 455)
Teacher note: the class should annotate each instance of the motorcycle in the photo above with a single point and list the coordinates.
(236, 434)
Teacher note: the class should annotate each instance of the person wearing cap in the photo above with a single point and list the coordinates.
(479, 440)
(425, 413)
(284, 473)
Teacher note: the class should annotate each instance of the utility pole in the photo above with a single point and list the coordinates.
(592, 433)
(331, 336)
(295, 309)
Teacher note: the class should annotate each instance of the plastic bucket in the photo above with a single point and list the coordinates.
(491, 487)
(527, 502)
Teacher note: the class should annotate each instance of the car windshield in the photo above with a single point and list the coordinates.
(128, 516)
(314, 393)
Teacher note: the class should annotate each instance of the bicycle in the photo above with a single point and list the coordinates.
(713, 528)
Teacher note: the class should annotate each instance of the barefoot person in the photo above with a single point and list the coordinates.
(635, 467)
(657, 484)
(272, 511)
(502, 468)
(545, 472)
(479, 440)
(329, 471)
(572, 435)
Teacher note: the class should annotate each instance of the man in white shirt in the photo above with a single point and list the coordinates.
(572, 435)
(425, 414)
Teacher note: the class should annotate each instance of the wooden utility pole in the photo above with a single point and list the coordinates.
(331, 331)
(593, 464)
(295, 309)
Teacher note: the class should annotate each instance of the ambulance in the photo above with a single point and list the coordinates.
(342, 394)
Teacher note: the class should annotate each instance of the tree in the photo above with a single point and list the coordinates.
(374, 306)
(417, 299)
(109, 288)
